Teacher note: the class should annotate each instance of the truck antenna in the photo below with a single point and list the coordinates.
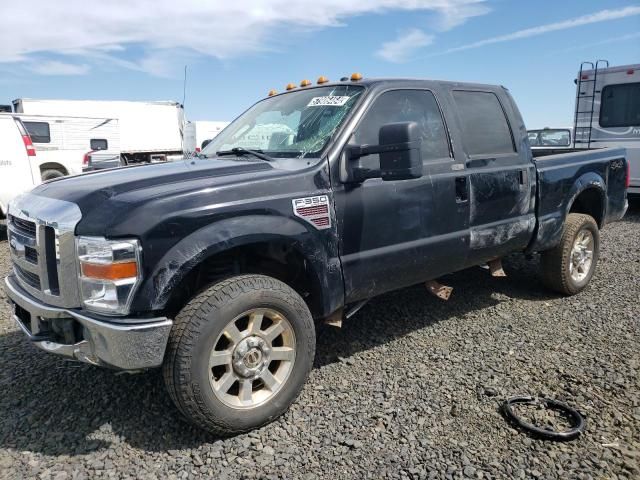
(184, 119)
(184, 86)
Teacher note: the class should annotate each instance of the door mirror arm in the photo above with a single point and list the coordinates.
(399, 151)
(356, 151)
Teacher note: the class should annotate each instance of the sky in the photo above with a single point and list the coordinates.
(235, 52)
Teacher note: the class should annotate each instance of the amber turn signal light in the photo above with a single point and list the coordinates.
(110, 271)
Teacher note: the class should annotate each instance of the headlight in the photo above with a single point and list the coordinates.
(109, 273)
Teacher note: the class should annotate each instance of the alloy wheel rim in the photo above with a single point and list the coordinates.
(252, 358)
(581, 255)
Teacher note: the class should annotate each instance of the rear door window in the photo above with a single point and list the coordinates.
(484, 124)
(620, 106)
(38, 131)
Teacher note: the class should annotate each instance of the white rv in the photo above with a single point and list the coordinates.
(198, 131)
(607, 112)
(149, 131)
(62, 142)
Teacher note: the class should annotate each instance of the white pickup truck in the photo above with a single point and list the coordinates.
(19, 170)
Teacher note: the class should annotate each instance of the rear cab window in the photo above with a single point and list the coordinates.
(485, 129)
(550, 137)
(38, 131)
(620, 105)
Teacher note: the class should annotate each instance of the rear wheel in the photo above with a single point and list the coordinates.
(568, 267)
(239, 354)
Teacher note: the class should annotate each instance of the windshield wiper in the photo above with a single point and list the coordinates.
(245, 151)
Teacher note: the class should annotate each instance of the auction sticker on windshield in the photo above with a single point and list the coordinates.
(330, 100)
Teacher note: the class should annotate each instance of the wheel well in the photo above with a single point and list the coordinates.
(275, 259)
(53, 166)
(589, 202)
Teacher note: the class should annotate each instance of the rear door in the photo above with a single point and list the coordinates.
(500, 172)
(16, 174)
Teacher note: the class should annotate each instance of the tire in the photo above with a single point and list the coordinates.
(201, 329)
(557, 263)
(50, 174)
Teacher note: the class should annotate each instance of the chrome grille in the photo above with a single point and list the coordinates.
(30, 278)
(23, 226)
(42, 248)
(31, 255)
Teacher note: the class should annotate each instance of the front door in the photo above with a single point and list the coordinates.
(398, 233)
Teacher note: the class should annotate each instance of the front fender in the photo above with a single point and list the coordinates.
(318, 248)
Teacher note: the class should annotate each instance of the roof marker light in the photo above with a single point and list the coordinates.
(291, 86)
(272, 92)
(356, 76)
(322, 79)
(305, 83)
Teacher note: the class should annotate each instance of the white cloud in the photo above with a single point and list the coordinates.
(401, 49)
(99, 31)
(454, 15)
(53, 67)
(601, 16)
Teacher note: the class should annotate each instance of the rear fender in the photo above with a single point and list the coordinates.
(551, 226)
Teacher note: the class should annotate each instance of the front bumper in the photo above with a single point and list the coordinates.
(133, 346)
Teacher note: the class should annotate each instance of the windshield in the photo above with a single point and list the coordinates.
(297, 124)
(549, 138)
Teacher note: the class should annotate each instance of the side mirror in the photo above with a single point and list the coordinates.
(206, 142)
(401, 159)
(399, 152)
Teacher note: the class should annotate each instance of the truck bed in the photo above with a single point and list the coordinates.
(562, 177)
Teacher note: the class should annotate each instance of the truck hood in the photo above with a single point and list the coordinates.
(104, 196)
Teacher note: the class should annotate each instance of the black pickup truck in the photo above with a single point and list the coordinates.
(218, 267)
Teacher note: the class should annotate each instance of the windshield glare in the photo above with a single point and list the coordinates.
(296, 124)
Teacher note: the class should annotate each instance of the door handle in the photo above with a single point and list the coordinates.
(462, 194)
(523, 177)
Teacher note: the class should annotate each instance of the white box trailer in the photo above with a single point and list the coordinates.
(607, 111)
(149, 131)
(198, 131)
(62, 142)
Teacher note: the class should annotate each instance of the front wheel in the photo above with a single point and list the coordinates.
(239, 354)
(569, 266)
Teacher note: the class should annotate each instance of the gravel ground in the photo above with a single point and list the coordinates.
(409, 388)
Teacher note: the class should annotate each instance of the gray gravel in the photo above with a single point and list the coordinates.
(410, 388)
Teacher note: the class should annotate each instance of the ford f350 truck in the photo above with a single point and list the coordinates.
(217, 268)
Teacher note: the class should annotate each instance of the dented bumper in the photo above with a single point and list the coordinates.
(130, 346)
